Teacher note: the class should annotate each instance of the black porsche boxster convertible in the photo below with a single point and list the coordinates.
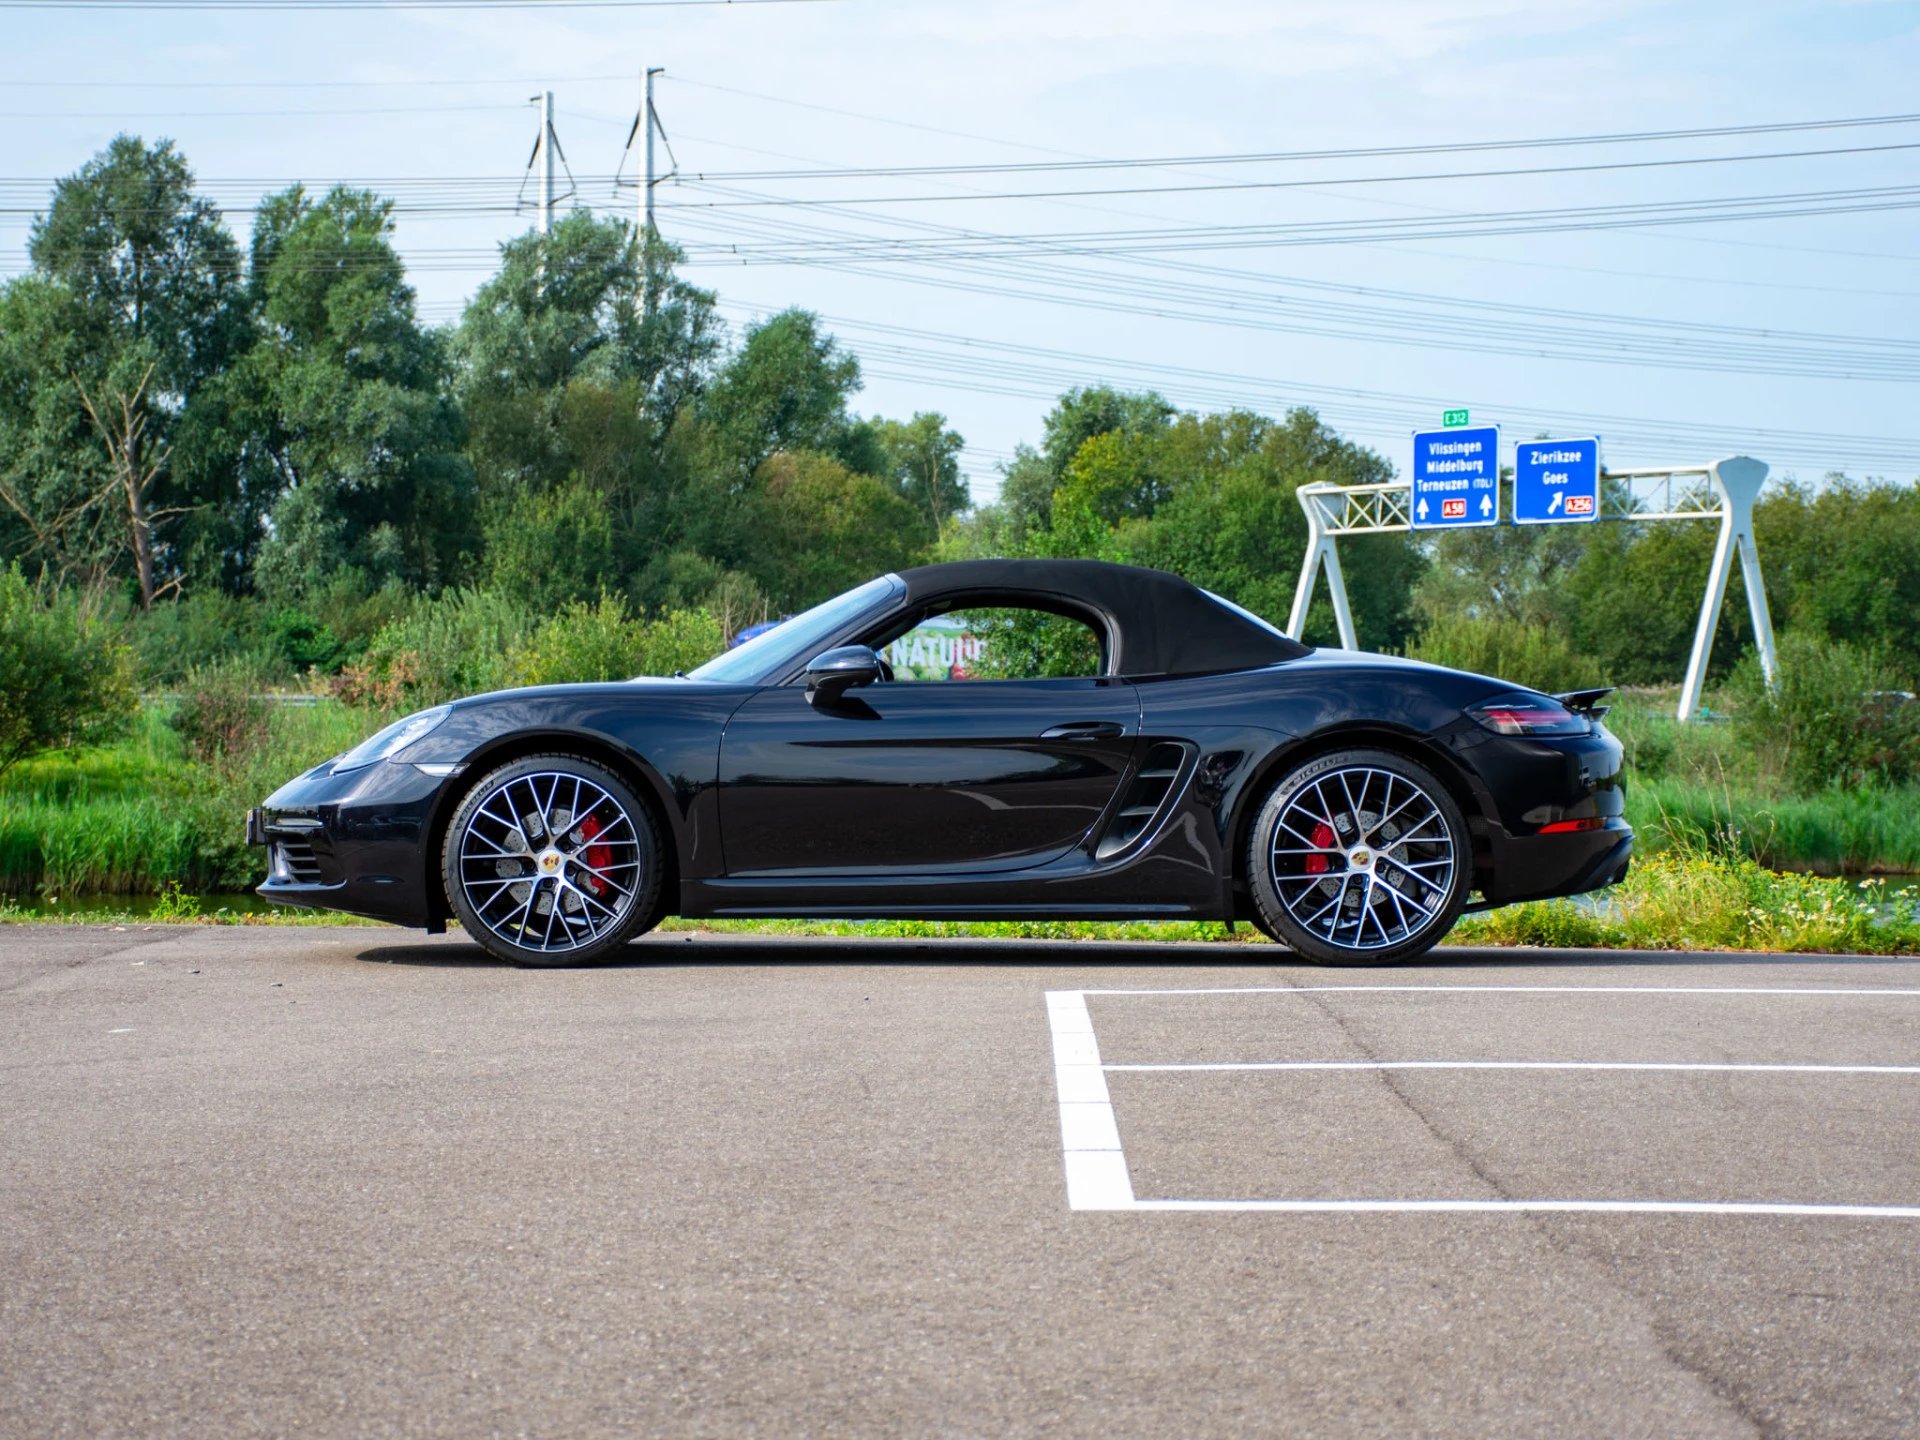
(995, 739)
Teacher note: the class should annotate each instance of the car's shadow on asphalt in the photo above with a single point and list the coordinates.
(657, 951)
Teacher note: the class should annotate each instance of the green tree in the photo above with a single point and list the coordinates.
(137, 301)
(785, 388)
(1081, 414)
(55, 484)
(351, 401)
(1215, 499)
(568, 308)
(823, 528)
(1633, 601)
(559, 549)
(1026, 491)
(921, 457)
(1842, 562)
(567, 378)
(1516, 573)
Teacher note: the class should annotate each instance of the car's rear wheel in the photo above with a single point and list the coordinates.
(1358, 858)
(552, 860)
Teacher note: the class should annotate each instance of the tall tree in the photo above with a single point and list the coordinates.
(141, 301)
(353, 401)
(1093, 410)
(566, 309)
(576, 362)
(785, 388)
(922, 459)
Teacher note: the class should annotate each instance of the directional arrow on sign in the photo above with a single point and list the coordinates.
(1486, 504)
(1421, 510)
(1553, 505)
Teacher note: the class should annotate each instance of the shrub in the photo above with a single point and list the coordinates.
(174, 639)
(303, 642)
(603, 642)
(1505, 649)
(65, 677)
(222, 713)
(1833, 719)
(454, 644)
(554, 548)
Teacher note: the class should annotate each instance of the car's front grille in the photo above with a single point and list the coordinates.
(297, 860)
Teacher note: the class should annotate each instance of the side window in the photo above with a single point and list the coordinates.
(995, 643)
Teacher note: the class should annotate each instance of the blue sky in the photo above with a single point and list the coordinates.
(260, 98)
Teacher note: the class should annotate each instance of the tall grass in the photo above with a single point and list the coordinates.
(134, 816)
(1861, 831)
(1692, 897)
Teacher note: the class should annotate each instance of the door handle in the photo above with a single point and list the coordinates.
(1084, 730)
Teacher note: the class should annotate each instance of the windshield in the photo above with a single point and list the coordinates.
(765, 656)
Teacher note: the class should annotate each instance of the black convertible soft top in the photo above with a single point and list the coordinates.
(1160, 624)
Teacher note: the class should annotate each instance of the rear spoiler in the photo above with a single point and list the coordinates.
(1583, 702)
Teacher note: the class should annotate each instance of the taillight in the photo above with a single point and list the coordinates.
(1528, 715)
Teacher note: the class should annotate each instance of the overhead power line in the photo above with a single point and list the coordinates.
(1538, 220)
(1454, 147)
(1028, 146)
(1315, 183)
(1612, 270)
(369, 6)
(1616, 340)
(1031, 372)
(133, 117)
(515, 80)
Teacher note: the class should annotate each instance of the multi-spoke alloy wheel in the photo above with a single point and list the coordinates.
(1359, 858)
(552, 860)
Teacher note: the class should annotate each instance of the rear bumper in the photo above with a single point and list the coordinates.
(1540, 867)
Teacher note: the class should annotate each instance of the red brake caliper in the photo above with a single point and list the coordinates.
(1323, 837)
(599, 857)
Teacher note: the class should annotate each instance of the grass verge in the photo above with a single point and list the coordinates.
(1680, 900)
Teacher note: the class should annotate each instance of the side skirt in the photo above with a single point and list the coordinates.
(867, 900)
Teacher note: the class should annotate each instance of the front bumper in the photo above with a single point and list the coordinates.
(356, 842)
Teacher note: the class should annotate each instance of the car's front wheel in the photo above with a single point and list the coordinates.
(1358, 858)
(552, 860)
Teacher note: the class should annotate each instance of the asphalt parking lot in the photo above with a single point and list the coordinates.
(356, 1182)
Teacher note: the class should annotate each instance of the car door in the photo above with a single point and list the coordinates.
(976, 776)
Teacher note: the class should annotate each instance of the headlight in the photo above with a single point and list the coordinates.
(392, 740)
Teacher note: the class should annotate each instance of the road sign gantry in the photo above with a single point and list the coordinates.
(1722, 490)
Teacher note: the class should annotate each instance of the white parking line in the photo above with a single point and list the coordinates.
(1096, 1163)
(1605, 1207)
(1096, 1167)
(1505, 990)
(1519, 1065)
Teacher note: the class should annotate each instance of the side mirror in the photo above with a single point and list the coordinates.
(831, 674)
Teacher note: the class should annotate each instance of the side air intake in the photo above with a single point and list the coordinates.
(1146, 799)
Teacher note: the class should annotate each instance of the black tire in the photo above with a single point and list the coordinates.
(553, 841)
(1360, 857)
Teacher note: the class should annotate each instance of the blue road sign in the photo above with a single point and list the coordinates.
(1456, 478)
(1556, 482)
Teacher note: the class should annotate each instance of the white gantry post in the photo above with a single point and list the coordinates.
(1323, 549)
(1737, 480)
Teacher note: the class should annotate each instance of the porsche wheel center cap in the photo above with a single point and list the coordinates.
(1360, 858)
(550, 862)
